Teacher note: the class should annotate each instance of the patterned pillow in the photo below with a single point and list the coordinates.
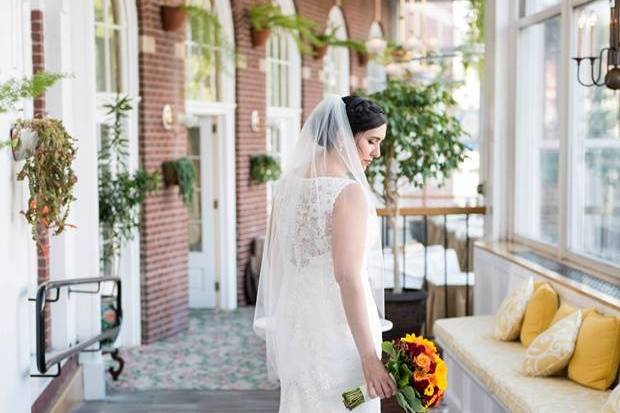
(551, 351)
(510, 314)
(613, 403)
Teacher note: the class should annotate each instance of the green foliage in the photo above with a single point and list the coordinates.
(329, 38)
(423, 139)
(120, 191)
(50, 174)
(264, 168)
(14, 90)
(186, 175)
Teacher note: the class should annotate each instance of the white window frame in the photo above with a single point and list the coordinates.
(340, 55)
(567, 75)
(131, 334)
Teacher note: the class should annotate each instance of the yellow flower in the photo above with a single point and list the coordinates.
(430, 389)
(419, 340)
(441, 375)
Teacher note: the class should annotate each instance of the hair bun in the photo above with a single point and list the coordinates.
(363, 114)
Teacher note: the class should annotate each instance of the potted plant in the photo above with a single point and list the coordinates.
(172, 17)
(121, 191)
(423, 141)
(48, 168)
(322, 41)
(181, 172)
(267, 16)
(264, 168)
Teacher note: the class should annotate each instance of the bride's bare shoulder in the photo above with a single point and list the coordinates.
(351, 196)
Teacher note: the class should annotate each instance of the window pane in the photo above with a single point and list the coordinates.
(595, 218)
(537, 143)
(195, 236)
(100, 58)
(533, 6)
(99, 10)
(115, 78)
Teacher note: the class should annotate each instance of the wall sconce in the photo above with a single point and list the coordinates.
(167, 117)
(612, 73)
(255, 121)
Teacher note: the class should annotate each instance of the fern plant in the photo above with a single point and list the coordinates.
(186, 177)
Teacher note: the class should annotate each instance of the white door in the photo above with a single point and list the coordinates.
(204, 265)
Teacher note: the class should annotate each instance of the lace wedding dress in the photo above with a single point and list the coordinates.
(316, 355)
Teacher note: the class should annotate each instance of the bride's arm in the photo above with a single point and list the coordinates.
(348, 247)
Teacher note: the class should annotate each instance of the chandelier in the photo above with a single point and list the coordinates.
(586, 29)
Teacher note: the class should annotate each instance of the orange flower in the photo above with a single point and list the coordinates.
(420, 375)
(419, 340)
(423, 361)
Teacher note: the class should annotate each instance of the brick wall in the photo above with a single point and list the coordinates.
(164, 249)
(38, 65)
(251, 199)
(250, 83)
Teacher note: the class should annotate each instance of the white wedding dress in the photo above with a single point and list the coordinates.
(316, 355)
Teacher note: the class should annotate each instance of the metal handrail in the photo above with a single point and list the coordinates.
(430, 211)
(44, 364)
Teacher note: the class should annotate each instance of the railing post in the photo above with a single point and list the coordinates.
(445, 262)
(404, 250)
(467, 251)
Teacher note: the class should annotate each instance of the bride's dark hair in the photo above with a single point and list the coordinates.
(362, 114)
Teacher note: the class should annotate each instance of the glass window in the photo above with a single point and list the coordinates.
(203, 59)
(195, 212)
(595, 188)
(107, 46)
(537, 132)
(336, 60)
(278, 70)
(534, 6)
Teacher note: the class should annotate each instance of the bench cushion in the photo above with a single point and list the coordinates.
(497, 365)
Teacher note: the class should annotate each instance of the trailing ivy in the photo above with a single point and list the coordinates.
(49, 173)
(121, 192)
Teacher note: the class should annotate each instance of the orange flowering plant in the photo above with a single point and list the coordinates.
(420, 374)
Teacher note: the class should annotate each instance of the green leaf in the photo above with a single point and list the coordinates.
(413, 399)
(402, 402)
(388, 348)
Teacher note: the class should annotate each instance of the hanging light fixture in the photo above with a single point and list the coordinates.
(586, 29)
(376, 45)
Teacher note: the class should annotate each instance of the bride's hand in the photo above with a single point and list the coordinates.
(378, 382)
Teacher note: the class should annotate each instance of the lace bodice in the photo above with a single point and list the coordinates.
(313, 225)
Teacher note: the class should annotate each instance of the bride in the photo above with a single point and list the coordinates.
(319, 302)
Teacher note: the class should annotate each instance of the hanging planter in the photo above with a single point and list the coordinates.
(260, 37)
(181, 172)
(169, 173)
(264, 168)
(23, 142)
(362, 58)
(49, 152)
(172, 17)
(319, 51)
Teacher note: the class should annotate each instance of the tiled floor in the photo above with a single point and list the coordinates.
(217, 366)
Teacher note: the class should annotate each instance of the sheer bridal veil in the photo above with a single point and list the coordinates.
(325, 135)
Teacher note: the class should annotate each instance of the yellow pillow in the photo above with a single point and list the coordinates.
(564, 310)
(510, 313)
(597, 352)
(551, 351)
(613, 403)
(539, 312)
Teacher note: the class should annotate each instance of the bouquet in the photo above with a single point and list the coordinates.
(419, 372)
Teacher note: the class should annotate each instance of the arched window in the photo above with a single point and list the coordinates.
(336, 61)
(375, 71)
(204, 48)
(107, 46)
(283, 67)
